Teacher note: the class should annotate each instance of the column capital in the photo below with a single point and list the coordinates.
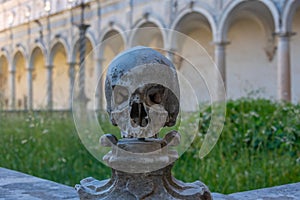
(29, 69)
(12, 71)
(220, 43)
(72, 63)
(284, 34)
(100, 59)
(49, 66)
(172, 49)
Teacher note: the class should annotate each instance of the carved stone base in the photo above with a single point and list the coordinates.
(154, 185)
(127, 183)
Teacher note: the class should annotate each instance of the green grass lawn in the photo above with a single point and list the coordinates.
(259, 147)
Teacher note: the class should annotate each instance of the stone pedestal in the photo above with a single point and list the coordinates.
(142, 95)
(128, 159)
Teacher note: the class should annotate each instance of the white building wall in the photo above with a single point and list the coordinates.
(249, 68)
(249, 72)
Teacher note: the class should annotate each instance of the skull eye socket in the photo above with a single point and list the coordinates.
(155, 98)
(121, 94)
(155, 94)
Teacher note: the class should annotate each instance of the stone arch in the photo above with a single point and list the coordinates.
(114, 27)
(20, 47)
(154, 34)
(90, 34)
(193, 22)
(19, 65)
(4, 52)
(22, 50)
(254, 9)
(206, 15)
(149, 16)
(60, 76)
(110, 33)
(33, 53)
(39, 84)
(116, 47)
(288, 14)
(53, 47)
(17, 55)
(38, 46)
(75, 52)
(90, 40)
(250, 26)
(192, 29)
(112, 43)
(4, 87)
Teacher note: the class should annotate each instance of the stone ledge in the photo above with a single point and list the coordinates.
(283, 192)
(16, 185)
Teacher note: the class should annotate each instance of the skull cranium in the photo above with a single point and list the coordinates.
(142, 92)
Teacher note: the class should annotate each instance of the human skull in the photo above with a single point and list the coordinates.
(142, 92)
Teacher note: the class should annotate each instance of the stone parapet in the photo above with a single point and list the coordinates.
(16, 185)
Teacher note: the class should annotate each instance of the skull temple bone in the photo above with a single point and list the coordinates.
(142, 94)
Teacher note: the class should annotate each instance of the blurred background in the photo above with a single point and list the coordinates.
(43, 42)
(255, 45)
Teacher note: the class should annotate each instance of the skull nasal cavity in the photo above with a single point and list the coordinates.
(138, 115)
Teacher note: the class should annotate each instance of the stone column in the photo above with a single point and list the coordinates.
(72, 81)
(12, 84)
(82, 53)
(29, 89)
(220, 59)
(170, 54)
(49, 87)
(284, 67)
(99, 81)
(174, 58)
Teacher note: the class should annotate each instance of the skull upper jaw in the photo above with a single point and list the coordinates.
(155, 116)
(140, 113)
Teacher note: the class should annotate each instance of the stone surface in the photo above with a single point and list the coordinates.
(15, 185)
(284, 192)
(218, 196)
(149, 186)
(135, 177)
(134, 155)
